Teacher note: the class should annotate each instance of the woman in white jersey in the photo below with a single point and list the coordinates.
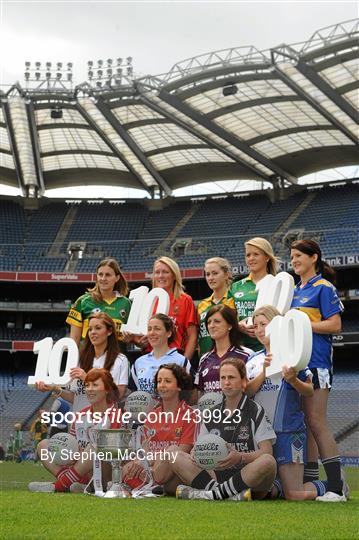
(100, 350)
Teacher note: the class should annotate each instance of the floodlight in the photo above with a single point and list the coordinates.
(109, 61)
(119, 61)
(230, 90)
(90, 63)
(48, 65)
(100, 73)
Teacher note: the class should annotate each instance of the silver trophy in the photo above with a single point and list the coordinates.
(114, 444)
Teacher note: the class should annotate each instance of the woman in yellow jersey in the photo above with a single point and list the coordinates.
(108, 295)
(218, 275)
(260, 260)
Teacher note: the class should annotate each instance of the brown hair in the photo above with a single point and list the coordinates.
(87, 353)
(230, 316)
(184, 380)
(109, 384)
(167, 323)
(310, 247)
(237, 363)
(120, 286)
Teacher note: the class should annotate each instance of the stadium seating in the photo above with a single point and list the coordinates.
(133, 234)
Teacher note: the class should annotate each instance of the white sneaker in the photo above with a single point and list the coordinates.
(188, 492)
(42, 487)
(329, 496)
(345, 488)
(244, 495)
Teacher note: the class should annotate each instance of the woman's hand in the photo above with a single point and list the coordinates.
(77, 373)
(267, 361)
(43, 387)
(247, 329)
(289, 374)
(233, 458)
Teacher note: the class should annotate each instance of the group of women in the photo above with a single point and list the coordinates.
(228, 333)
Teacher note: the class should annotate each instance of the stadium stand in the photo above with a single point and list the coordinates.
(135, 235)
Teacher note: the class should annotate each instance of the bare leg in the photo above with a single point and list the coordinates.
(291, 476)
(316, 415)
(260, 474)
(186, 469)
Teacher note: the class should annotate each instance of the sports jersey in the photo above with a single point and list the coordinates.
(288, 416)
(118, 309)
(80, 427)
(319, 300)
(207, 376)
(245, 297)
(244, 430)
(119, 372)
(160, 434)
(205, 342)
(280, 400)
(145, 368)
(268, 393)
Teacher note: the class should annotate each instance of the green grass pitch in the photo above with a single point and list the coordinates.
(67, 516)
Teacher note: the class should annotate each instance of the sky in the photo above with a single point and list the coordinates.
(155, 34)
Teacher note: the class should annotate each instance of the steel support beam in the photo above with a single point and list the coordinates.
(111, 145)
(13, 146)
(118, 127)
(35, 145)
(327, 90)
(225, 135)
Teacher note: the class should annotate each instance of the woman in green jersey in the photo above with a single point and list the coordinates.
(218, 274)
(260, 260)
(108, 295)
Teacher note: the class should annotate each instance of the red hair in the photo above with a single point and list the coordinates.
(111, 388)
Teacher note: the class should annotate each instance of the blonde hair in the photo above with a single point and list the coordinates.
(178, 287)
(266, 247)
(269, 312)
(224, 265)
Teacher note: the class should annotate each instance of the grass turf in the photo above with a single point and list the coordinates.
(67, 516)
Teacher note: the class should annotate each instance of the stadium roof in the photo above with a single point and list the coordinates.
(232, 114)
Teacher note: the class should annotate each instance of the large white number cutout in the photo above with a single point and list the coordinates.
(276, 291)
(291, 339)
(142, 308)
(49, 361)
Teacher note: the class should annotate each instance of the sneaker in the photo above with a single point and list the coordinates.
(42, 487)
(77, 487)
(188, 492)
(345, 488)
(244, 495)
(330, 496)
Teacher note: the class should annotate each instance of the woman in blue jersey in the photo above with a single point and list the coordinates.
(280, 396)
(318, 298)
(161, 332)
